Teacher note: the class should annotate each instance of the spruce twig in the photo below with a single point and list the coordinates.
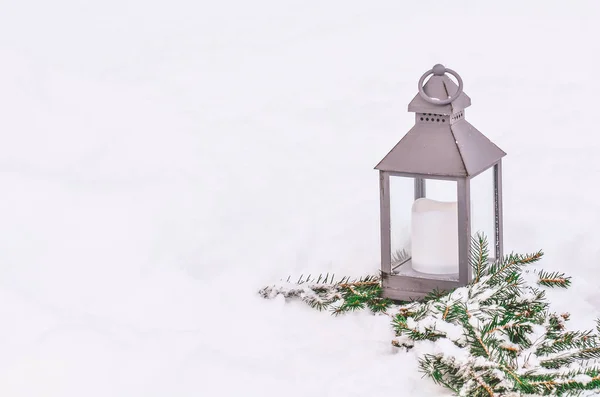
(553, 279)
(479, 255)
(507, 340)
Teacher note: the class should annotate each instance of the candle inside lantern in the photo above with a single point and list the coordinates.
(434, 236)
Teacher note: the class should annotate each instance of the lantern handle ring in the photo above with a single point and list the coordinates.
(440, 70)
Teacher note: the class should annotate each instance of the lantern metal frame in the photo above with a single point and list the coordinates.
(450, 149)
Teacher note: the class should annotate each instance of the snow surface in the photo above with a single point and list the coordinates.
(162, 161)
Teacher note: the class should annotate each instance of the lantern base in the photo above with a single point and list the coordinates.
(400, 296)
(406, 284)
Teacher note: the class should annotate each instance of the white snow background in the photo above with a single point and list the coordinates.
(161, 161)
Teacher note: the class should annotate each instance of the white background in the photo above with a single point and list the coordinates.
(161, 161)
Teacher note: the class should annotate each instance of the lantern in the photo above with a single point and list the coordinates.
(442, 145)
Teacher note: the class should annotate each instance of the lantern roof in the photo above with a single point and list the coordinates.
(441, 143)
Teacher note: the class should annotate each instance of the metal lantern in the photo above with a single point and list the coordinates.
(442, 145)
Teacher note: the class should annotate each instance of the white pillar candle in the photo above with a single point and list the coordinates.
(434, 236)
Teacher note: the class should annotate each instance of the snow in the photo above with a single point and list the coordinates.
(584, 379)
(161, 163)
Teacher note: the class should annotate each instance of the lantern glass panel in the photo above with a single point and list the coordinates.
(426, 232)
(441, 190)
(434, 230)
(401, 200)
(482, 207)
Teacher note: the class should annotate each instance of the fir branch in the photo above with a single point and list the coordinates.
(441, 372)
(341, 296)
(572, 383)
(566, 341)
(571, 356)
(399, 257)
(434, 295)
(482, 383)
(510, 265)
(479, 255)
(553, 279)
(508, 342)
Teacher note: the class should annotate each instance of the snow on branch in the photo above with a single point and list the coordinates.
(494, 337)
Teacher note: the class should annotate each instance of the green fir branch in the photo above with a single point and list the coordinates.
(553, 279)
(479, 255)
(508, 341)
